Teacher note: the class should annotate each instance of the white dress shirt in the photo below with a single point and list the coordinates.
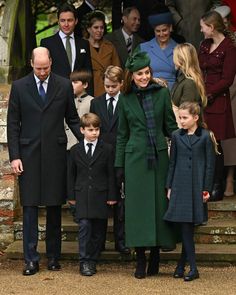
(116, 98)
(93, 146)
(44, 84)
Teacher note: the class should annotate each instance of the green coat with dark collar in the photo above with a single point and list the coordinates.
(184, 89)
(146, 200)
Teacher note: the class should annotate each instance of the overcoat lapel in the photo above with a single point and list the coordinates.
(103, 110)
(159, 53)
(185, 139)
(83, 156)
(122, 47)
(62, 50)
(51, 90)
(136, 108)
(33, 90)
(97, 152)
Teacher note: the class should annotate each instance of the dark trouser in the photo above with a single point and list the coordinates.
(90, 239)
(188, 246)
(118, 225)
(30, 232)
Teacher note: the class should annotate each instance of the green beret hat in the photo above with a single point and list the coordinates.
(137, 61)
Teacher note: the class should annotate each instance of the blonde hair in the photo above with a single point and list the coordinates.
(90, 119)
(195, 109)
(185, 57)
(114, 73)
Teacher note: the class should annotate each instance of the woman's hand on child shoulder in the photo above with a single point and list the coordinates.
(71, 202)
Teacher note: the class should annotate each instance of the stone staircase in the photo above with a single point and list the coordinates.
(215, 242)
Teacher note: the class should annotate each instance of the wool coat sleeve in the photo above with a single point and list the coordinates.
(189, 92)
(112, 195)
(210, 164)
(71, 176)
(13, 124)
(172, 164)
(170, 124)
(122, 134)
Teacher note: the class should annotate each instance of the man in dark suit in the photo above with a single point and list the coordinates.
(126, 39)
(101, 106)
(68, 52)
(145, 7)
(86, 7)
(38, 105)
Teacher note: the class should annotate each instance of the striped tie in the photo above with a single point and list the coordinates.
(129, 45)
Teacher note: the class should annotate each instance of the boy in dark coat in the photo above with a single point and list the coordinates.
(91, 184)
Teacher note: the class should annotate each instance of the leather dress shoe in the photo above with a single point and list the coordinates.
(192, 275)
(31, 268)
(92, 266)
(123, 250)
(178, 273)
(85, 269)
(53, 264)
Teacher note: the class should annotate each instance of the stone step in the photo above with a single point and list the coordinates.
(215, 232)
(206, 253)
(225, 209)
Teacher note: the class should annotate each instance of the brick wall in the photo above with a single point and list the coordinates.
(8, 183)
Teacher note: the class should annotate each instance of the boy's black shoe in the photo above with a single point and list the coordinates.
(92, 266)
(85, 269)
(31, 268)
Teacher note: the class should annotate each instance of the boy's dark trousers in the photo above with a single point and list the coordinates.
(90, 239)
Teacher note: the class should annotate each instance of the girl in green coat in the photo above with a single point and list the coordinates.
(145, 119)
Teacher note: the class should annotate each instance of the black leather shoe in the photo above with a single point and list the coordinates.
(92, 266)
(178, 273)
(85, 269)
(123, 250)
(192, 275)
(140, 272)
(53, 264)
(31, 268)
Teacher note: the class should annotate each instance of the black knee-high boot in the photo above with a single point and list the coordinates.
(140, 271)
(154, 259)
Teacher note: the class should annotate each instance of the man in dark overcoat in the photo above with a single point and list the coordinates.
(38, 105)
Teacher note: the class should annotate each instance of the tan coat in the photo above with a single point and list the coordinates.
(82, 105)
(101, 59)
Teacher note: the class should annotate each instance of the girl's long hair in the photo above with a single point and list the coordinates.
(195, 109)
(186, 59)
(213, 18)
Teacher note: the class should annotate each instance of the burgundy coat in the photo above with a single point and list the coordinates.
(218, 68)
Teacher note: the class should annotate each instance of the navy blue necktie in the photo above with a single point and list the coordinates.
(89, 152)
(110, 108)
(42, 92)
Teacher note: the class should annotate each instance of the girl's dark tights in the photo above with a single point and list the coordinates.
(188, 246)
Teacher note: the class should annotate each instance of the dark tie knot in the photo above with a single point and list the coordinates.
(89, 144)
(111, 99)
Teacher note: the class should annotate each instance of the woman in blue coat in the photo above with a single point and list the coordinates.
(189, 180)
(160, 48)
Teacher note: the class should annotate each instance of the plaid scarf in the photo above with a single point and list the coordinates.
(147, 103)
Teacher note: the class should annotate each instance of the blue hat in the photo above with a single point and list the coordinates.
(137, 61)
(160, 19)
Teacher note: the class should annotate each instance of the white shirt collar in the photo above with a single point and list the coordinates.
(93, 142)
(116, 97)
(63, 35)
(38, 80)
(126, 35)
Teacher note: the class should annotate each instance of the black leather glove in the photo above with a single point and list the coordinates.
(120, 176)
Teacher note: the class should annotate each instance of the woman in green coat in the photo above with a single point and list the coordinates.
(145, 119)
